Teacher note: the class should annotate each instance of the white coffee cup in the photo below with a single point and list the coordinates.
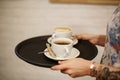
(62, 47)
(64, 32)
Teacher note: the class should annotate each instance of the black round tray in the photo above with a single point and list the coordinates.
(28, 50)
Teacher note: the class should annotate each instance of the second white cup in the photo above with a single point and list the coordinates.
(64, 32)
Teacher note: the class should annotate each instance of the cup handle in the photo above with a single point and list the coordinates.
(53, 35)
(66, 52)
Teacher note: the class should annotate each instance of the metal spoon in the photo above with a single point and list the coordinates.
(42, 52)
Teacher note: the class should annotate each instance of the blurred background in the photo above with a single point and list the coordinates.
(23, 19)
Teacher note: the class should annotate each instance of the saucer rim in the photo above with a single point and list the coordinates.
(74, 41)
(50, 57)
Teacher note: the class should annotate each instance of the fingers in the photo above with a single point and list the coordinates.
(78, 36)
(66, 68)
(59, 67)
(66, 71)
(82, 36)
(62, 62)
(69, 72)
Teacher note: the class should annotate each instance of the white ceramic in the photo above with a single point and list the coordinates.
(61, 50)
(62, 32)
(75, 41)
(74, 53)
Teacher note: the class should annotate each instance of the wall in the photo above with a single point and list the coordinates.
(23, 19)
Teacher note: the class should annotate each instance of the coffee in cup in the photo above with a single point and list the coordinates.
(62, 42)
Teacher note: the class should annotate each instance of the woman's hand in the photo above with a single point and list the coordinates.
(75, 67)
(78, 67)
(94, 39)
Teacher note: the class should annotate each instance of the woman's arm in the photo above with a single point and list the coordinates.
(95, 39)
(102, 72)
(78, 67)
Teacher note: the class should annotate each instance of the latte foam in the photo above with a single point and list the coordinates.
(63, 29)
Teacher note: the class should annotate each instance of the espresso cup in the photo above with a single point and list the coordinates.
(62, 47)
(64, 32)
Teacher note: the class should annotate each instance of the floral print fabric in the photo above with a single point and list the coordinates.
(111, 55)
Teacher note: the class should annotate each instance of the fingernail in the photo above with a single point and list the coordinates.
(52, 68)
(59, 61)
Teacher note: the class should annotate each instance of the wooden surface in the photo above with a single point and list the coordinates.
(87, 1)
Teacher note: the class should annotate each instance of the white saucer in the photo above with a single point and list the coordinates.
(75, 41)
(74, 53)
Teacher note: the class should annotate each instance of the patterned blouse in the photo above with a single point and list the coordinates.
(111, 55)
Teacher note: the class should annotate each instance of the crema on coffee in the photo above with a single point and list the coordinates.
(62, 42)
(63, 29)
